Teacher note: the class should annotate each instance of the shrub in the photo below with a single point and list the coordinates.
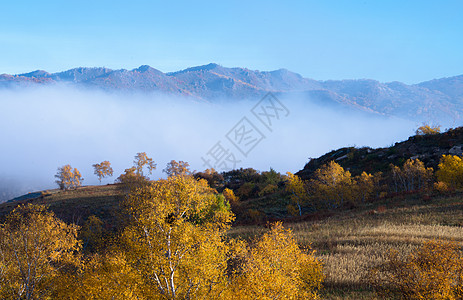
(433, 271)
(441, 187)
(231, 197)
(274, 267)
(427, 129)
(255, 216)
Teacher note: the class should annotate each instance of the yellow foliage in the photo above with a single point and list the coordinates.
(412, 176)
(434, 271)
(428, 129)
(103, 170)
(365, 185)
(109, 276)
(276, 268)
(230, 196)
(135, 177)
(333, 185)
(451, 171)
(299, 195)
(92, 234)
(141, 161)
(130, 177)
(441, 187)
(68, 178)
(35, 246)
(176, 237)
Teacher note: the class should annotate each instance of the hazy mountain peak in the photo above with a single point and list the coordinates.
(207, 67)
(81, 74)
(452, 86)
(36, 74)
(145, 68)
(210, 66)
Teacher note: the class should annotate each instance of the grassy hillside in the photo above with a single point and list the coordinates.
(75, 205)
(428, 148)
(351, 242)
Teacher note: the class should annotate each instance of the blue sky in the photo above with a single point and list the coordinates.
(409, 41)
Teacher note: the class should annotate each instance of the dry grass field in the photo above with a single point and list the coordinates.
(351, 243)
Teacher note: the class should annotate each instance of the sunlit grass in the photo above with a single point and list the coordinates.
(351, 243)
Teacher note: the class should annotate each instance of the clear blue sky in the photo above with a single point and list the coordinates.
(409, 41)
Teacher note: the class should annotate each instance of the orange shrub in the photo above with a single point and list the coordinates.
(441, 187)
(433, 271)
(274, 267)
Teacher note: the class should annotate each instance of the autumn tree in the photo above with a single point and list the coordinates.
(364, 185)
(108, 276)
(175, 168)
(412, 176)
(269, 182)
(426, 129)
(103, 170)
(135, 176)
(230, 196)
(332, 185)
(275, 267)
(142, 162)
(176, 238)
(35, 247)
(450, 171)
(68, 178)
(92, 234)
(296, 187)
(128, 176)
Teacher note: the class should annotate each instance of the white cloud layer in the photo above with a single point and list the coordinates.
(46, 127)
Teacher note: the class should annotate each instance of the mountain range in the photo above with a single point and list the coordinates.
(438, 100)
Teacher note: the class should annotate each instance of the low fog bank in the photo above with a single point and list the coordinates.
(47, 127)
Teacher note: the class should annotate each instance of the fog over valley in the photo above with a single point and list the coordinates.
(46, 127)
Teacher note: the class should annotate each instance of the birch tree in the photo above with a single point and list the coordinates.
(176, 239)
(34, 247)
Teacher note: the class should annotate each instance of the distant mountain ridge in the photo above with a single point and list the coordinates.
(434, 100)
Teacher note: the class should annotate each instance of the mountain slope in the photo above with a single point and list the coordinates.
(428, 148)
(439, 100)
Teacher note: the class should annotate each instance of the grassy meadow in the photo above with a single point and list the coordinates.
(350, 243)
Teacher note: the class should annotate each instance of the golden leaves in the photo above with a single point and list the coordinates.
(451, 171)
(34, 247)
(68, 178)
(103, 170)
(412, 176)
(176, 238)
(274, 267)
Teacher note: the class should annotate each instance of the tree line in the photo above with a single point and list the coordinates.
(330, 186)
